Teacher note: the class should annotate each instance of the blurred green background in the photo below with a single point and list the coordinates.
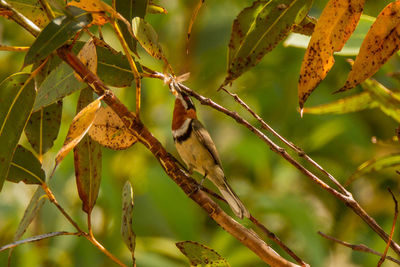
(287, 202)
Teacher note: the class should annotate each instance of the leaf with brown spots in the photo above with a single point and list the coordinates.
(127, 232)
(87, 162)
(199, 254)
(96, 7)
(88, 56)
(109, 130)
(147, 37)
(258, 29)
(31, 9)
(79, 127)
(334, 27)
(381, 42)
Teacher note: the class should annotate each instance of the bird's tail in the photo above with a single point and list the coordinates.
(233, 200)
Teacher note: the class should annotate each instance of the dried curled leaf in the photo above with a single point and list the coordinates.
(79, 127)
(381, 42)
(109, 130)
(88, 56)
(334, 27)
(95, 7)
(199, 254)
(87, 162)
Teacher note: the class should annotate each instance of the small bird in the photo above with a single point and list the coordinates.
(197, 150)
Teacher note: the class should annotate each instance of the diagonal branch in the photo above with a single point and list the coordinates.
(169, 164)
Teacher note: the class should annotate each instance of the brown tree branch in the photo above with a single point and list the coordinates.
(347, 198)
(169, 164)
(361, 247)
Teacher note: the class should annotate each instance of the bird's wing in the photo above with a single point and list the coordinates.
(205, 138)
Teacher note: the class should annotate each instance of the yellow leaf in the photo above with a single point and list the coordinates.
(334, 27)
(78, 128)
(96, 7)
(109, 130)
(380, 43)
(88, 56)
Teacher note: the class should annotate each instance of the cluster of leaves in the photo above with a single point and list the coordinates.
(32, 102)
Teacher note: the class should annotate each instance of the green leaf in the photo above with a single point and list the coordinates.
(130, 9)
(199, 254)
(25, 167)
(147, 37)
(32, 10)
(351, 47)
(258, 29)
(87, 161)
(32, 239)
(43, 127)
(56, 33)
(128, 235)
(345, 105)
(60, 83)
(17, 94)
(387, 101)
(113, 68)
(375, 165)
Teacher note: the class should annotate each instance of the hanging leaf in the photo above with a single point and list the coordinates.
(25, 167)
(128, 235)
(56, 33)
(43, 127)
(130, 9)
(375, 165)
(345, 105)
(109, 130)
(147, 37)
(191, 22)
(17, 94)
(352, 46)
(88, 56)
(112, 67)
(79, 127)
(258, 29)
(199, 254)
(60, 83)
(87, 161)
(31, 9)
(381, 42)
(334, 27)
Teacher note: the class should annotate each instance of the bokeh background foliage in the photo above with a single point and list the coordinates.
(283, 199)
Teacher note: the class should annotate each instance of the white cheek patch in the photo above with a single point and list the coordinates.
(181, 130)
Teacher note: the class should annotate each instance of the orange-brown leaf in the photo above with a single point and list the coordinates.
(334, 27)
(381, 42)
(88, 56)
(78, 128)
(96, 7)
(109, 130)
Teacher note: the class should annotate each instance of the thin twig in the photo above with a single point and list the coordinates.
(97, 244)
(298, 150)
(14, 48)
(396, 213)
(361, 247)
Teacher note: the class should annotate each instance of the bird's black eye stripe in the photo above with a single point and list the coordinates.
(189, 102)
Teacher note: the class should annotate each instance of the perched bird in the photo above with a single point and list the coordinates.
(197, 150)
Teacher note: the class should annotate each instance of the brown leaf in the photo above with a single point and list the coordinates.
(334, 27)
(381, 42)
(79, 127)
(109, 130)
(87, 162)
(88, 56)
